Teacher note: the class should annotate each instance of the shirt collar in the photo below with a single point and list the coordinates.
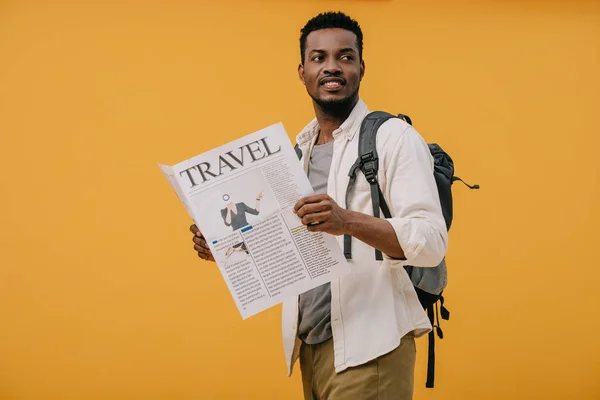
(348, 129)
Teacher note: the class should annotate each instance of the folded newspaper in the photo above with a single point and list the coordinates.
(241, 196)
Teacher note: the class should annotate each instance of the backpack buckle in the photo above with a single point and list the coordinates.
(369, 165)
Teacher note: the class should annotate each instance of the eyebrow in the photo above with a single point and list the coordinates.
(344, 50)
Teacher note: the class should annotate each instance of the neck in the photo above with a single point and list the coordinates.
(330, 119)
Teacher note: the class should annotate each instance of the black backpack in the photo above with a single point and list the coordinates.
(368, 163)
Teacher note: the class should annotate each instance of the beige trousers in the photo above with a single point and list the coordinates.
(390, 376)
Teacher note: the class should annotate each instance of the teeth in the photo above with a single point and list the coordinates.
(332, 84)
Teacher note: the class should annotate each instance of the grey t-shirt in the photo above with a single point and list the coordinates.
(315, 305)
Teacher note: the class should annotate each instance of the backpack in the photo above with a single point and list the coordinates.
(428, 282)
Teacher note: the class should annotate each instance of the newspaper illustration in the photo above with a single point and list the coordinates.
(241, 196)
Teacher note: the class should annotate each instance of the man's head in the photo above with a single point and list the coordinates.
(331, 60)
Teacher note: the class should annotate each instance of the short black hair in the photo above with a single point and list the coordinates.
(331, 20)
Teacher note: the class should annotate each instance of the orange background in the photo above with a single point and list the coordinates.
(101, 294)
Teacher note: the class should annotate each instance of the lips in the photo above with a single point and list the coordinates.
(332, 83)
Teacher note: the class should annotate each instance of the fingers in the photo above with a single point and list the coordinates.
(313, 208)
(317, 217)
(202, 249)
(310, 200)
(203, 253)
(321, 227)
(200, 244)
(207, 257)
(200, 241)
(194, 229)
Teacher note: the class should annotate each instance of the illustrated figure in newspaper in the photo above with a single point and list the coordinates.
(234, 215)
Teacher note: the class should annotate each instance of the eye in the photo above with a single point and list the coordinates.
(317, 58)
(347, 57)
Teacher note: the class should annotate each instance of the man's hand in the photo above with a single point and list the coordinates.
(200, 244)
(320, 213)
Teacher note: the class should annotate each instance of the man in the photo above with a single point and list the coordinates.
(355, 336)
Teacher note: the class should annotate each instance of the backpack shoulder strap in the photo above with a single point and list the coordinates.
(367, 140)
(368, 163)
(406, 118)
(298, 151)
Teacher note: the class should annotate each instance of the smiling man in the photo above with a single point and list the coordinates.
(355, 336)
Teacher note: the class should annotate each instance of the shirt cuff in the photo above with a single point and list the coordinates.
(410, 241)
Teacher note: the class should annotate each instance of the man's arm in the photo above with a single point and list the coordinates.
(412, 195)
(416, 231)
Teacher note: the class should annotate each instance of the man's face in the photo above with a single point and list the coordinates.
(332, 69)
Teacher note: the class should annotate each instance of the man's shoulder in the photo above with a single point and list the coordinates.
(391, 132)
(397, 136)
(395, 126)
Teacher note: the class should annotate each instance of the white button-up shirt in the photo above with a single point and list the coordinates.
(375, 305)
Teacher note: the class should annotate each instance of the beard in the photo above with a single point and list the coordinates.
(336, 106)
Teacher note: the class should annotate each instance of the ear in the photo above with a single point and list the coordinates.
(301, 74)
(362, 69)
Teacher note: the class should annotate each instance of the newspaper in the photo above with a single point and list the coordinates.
(241, 196)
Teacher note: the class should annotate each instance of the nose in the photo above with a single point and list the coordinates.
(332, 66)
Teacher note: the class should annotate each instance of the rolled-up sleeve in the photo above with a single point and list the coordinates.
(413, 198)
